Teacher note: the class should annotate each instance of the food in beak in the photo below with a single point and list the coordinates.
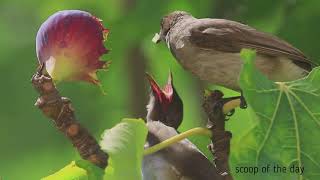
(156, 38)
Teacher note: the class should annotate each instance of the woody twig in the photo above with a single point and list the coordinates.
(215, 107)
(60, 110)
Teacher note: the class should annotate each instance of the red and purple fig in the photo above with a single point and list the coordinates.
(70, 44)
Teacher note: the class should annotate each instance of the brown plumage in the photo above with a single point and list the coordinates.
(210, 48)
(180, 161)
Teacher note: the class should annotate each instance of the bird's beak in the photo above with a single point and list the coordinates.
(156, 38)
(170, 79)
(168, 89)
(165, 94)
(153, 84)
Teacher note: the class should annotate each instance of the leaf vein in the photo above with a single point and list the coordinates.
(297, 132)
(305, 107)
(269, 128)
(307, 92)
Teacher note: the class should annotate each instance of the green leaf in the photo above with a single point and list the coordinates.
(124, 145)
(288, 123)
(79, 170)
(93, 171)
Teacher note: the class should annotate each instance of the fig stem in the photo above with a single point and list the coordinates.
(177, 138)
(61, 112)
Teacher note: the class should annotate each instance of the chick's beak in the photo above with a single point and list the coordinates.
(153, 84)
(164, 95)
(168, 89)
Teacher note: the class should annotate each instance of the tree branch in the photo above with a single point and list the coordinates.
(220, 141)
(59, 109)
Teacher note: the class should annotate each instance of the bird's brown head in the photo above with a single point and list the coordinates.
(167, 22)
(165, 105)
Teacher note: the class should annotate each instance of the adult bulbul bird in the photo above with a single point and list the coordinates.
(182, 160)
(210, 48)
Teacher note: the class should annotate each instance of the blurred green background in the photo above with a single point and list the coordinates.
(30, 146)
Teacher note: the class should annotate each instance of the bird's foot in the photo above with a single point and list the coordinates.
(224, 107)
(232, 111)
(214, 105)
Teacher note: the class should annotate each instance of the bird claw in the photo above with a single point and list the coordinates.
(229, 114)
(219, 102)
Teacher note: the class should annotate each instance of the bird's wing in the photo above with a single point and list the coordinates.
(230, 36)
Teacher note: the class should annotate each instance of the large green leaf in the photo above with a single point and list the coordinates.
(77, 170)
(287, 126)
(124, 145)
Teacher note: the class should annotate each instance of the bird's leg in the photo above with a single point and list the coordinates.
(243, 102)
(229, 104)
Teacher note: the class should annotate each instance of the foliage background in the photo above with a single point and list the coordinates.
(30, 147)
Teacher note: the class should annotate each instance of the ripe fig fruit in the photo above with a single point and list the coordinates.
(70, 44)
